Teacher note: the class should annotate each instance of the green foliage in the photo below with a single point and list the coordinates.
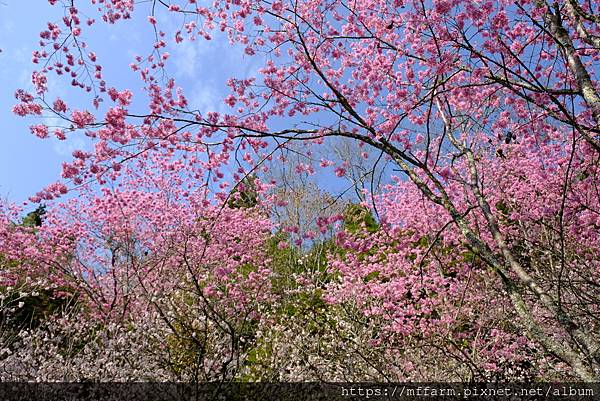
(296, 301)
(186, 347)
(358, 218)
(502, 207)
(245, 195)
(35, 218)
(35, 307)
(289, 261)
(371, 276)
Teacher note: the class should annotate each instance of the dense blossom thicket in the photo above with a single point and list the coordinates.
(186, 256)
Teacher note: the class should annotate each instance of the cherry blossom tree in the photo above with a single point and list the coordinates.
(138, 265)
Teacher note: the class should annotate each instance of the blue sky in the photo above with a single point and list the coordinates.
(28, 163)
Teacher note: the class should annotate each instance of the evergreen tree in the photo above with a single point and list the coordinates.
(35, 218)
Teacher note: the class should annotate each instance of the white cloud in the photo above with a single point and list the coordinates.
(184, 59)
(66, 147)
(205, 97)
